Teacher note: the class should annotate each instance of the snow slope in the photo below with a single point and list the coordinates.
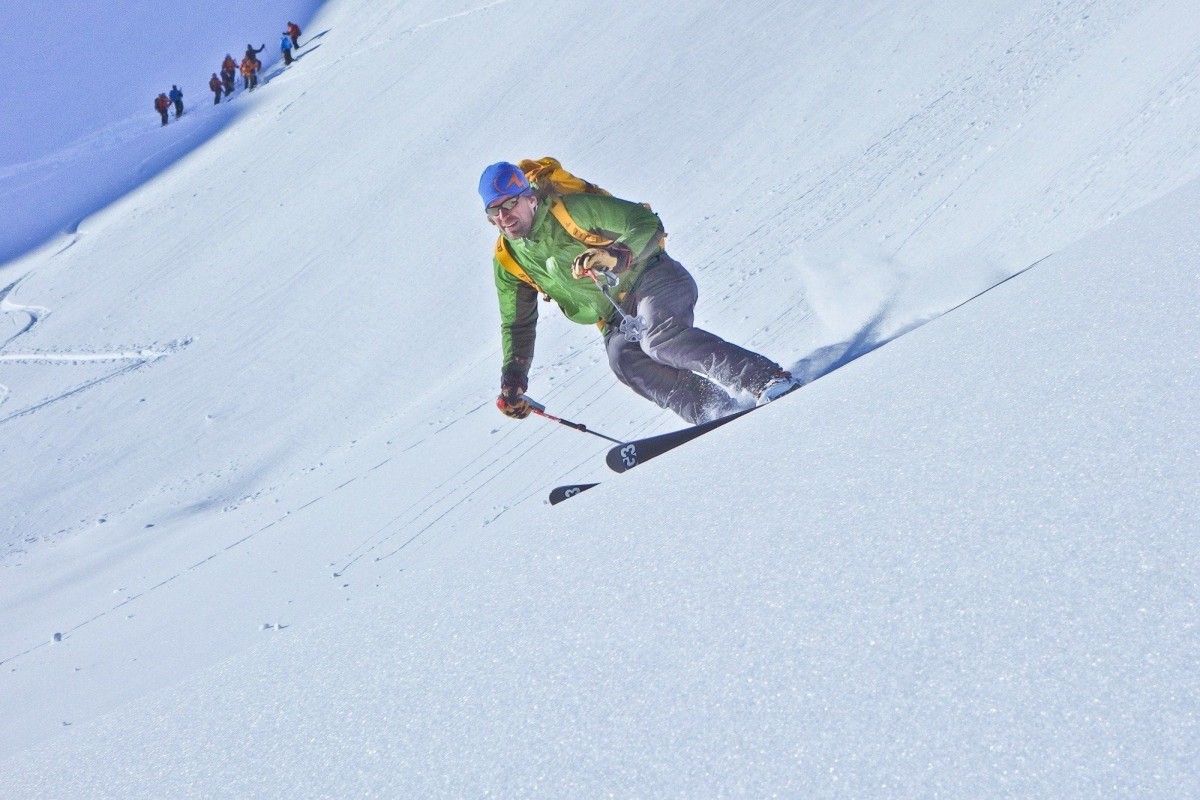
(78, 129)
(257, 390)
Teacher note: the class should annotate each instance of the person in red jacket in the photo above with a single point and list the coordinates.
(293, 30)
(214, 83)
(162, 104)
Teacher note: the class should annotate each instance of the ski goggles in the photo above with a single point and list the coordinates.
(507, 205)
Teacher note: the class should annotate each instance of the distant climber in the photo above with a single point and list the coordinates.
(217, 87)
(161, 105)
(293, 30)
(229, 70)
(177, 99)
(285, 47)
(249, 73)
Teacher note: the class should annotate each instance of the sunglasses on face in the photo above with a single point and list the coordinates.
(507, 205)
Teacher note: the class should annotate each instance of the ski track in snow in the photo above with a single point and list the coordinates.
(133, 598)
(28, 317)
(452, 494)
(1010, 82)
(436, 505)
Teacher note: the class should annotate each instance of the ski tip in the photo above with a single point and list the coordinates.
(567, 492)
(623, 457)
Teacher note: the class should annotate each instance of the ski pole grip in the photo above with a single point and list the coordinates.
(609, 277)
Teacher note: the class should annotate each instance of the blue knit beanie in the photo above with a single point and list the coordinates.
(502, 180)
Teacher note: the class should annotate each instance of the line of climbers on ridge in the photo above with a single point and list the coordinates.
(222, 86)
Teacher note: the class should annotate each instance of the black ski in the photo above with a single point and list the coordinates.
(567, 492)
(625, 457)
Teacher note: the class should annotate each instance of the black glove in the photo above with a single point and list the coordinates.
(511, 401)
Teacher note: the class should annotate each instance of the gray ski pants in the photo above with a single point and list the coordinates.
(676, 365)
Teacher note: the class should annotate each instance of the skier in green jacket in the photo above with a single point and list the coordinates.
(659, 354)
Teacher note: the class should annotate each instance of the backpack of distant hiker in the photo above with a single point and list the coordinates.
(552, 180)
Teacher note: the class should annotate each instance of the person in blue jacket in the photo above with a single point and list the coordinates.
(285, 46)
(176, 96)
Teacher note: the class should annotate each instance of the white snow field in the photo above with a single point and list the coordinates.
(264, 534)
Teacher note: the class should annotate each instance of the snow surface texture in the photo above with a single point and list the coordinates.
(264, 535)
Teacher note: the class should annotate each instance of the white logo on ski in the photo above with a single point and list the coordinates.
(629, 456)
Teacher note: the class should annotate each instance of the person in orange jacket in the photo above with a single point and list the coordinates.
(293, 30)
(162, 104)
(249, 72)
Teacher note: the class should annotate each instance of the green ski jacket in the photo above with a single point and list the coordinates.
(546, 256)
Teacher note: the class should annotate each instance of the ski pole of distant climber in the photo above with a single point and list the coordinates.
(540, 410)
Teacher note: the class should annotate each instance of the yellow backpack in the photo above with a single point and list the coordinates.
(548, 173)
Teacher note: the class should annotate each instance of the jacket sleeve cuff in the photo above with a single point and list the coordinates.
(623, 255)
(515, 375)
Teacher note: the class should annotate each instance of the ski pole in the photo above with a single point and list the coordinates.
(632, 328)
(540, 410)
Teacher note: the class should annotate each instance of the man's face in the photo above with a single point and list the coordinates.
(513, 215)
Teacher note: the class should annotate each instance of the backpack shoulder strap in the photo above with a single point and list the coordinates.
(559, 209)
(505, 257)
